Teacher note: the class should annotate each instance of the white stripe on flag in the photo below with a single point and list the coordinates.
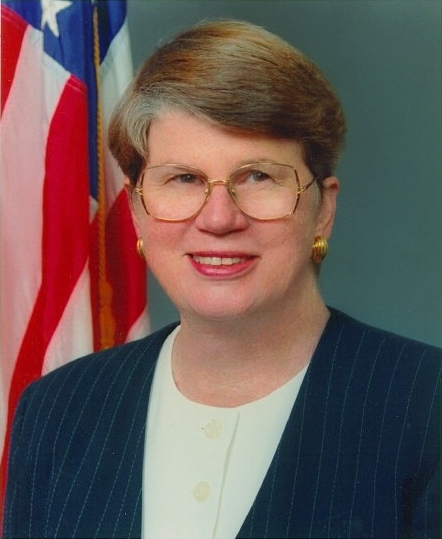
(116, 73)
(73, 336)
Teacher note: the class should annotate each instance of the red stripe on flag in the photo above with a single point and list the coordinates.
(13, 31)
(125, 271)
(65, 236)
(66, 203)
(127, 280)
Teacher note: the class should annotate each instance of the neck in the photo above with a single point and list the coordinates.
(231, 363)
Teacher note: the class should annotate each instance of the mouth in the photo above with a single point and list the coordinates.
(222, 265)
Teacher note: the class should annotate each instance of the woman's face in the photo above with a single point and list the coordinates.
(222, 264)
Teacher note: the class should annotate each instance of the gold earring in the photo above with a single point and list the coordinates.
(140, 248)
(319, 249)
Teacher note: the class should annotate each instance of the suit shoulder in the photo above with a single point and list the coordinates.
(368, 353)
(369, 372)
(382, 341)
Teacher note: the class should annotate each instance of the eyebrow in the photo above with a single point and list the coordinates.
(240, 164)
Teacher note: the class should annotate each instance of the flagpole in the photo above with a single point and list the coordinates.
(106, 318)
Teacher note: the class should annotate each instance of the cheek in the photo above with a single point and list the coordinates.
(161, 243)
(294, 239)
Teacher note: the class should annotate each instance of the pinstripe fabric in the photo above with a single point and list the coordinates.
(358, 456)
(77, 447)
(361, 444)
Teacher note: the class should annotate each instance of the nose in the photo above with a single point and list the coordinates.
(220, 214)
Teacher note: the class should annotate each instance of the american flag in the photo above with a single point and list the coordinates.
(71, 281)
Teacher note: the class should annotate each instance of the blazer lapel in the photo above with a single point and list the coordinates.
(113, 472)
(130, 447)
(284, 506)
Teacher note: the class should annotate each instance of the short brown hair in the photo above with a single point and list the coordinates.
(239, 76)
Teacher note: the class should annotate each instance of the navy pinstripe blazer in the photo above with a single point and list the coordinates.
(358, 457)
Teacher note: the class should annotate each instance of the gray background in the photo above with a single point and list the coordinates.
(384, 60)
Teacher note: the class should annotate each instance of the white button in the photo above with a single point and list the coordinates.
(201, 491)
(213, 428)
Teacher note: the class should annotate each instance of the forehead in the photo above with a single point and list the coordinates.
(178, 137)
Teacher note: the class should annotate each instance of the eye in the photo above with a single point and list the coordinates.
(255, 176)
(259, 176)
(186, 178)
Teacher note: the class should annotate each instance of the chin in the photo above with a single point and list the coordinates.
(219, 311)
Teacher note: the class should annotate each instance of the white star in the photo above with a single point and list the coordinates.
(49, 9)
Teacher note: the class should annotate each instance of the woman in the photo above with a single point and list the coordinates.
(268, 414)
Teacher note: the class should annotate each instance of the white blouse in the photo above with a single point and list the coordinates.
(204, 465)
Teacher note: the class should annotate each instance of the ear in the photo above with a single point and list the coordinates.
(327, 207)
(133, 209)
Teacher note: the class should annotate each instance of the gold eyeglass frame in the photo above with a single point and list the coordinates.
(227, 183)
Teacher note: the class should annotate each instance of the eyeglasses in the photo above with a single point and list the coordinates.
(263, 191)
